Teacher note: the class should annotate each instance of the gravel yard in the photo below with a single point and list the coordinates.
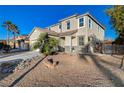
(18, 56)
(73, 71)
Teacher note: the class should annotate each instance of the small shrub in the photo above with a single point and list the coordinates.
(46, 44)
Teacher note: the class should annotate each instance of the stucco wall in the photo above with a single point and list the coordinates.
(73, 24)
(82, 31)
(68, 41)
(55, 28)
(74, 41)
(96, 29)
(85, 30)
(62, 42)
(34, 36)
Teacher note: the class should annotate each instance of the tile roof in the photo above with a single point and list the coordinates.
(53, 33)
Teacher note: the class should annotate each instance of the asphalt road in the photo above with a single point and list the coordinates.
(19, 56)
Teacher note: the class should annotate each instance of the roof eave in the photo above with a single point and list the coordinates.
(88, 14)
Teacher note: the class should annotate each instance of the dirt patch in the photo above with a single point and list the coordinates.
(75, 71)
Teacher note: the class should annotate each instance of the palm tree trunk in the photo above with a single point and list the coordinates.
(14, 40)
(7, 40)
(8, 36)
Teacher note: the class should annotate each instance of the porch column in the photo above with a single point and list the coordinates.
(68, 43)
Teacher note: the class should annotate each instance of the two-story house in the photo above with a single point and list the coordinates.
(73, 32)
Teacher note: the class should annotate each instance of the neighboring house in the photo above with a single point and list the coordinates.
(73, 32)
(2, 44)
(21, 42)
(3, 41)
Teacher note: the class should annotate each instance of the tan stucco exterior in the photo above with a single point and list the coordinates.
(34, 36)
(73, 24)
(55, 28)
(72, 40)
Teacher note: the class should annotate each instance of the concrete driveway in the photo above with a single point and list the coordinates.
(19, 56)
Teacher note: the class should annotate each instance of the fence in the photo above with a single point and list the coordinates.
(113, 49)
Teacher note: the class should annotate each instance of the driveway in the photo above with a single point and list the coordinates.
(19, 56)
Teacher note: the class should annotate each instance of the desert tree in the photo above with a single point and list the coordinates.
(116, 14)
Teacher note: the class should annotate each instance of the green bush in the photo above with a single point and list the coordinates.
(39, 41)
(45, 43)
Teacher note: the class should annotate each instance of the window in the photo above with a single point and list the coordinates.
(68, 25)
(90, 23)
(60, 26)
(81, 40)
(81, 22)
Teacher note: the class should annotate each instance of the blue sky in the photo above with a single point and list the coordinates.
(27, 17)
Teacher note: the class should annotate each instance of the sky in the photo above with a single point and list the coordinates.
(28, 17)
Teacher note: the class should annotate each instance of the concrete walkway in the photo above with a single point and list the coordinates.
(20, 56)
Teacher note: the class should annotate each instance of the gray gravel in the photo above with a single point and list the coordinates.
(20, 56)
(72, 71)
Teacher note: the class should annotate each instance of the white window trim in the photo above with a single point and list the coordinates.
(67, 26)
(59, 26)
(91, 24)
(78, 39)
(79, 23)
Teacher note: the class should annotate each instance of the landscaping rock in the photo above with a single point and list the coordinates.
(50, 63)
(56, 63)
(7, 67)
(50, 60)
(24, 64)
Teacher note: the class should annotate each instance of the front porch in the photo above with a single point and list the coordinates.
(76, 44)
(68, 44)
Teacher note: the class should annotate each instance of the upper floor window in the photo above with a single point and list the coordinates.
(81, 22)
(60, 26)
(90, 23)
(68, 24)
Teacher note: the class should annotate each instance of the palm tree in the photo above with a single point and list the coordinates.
(7, 26)
(15, 31)
(10, 28)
